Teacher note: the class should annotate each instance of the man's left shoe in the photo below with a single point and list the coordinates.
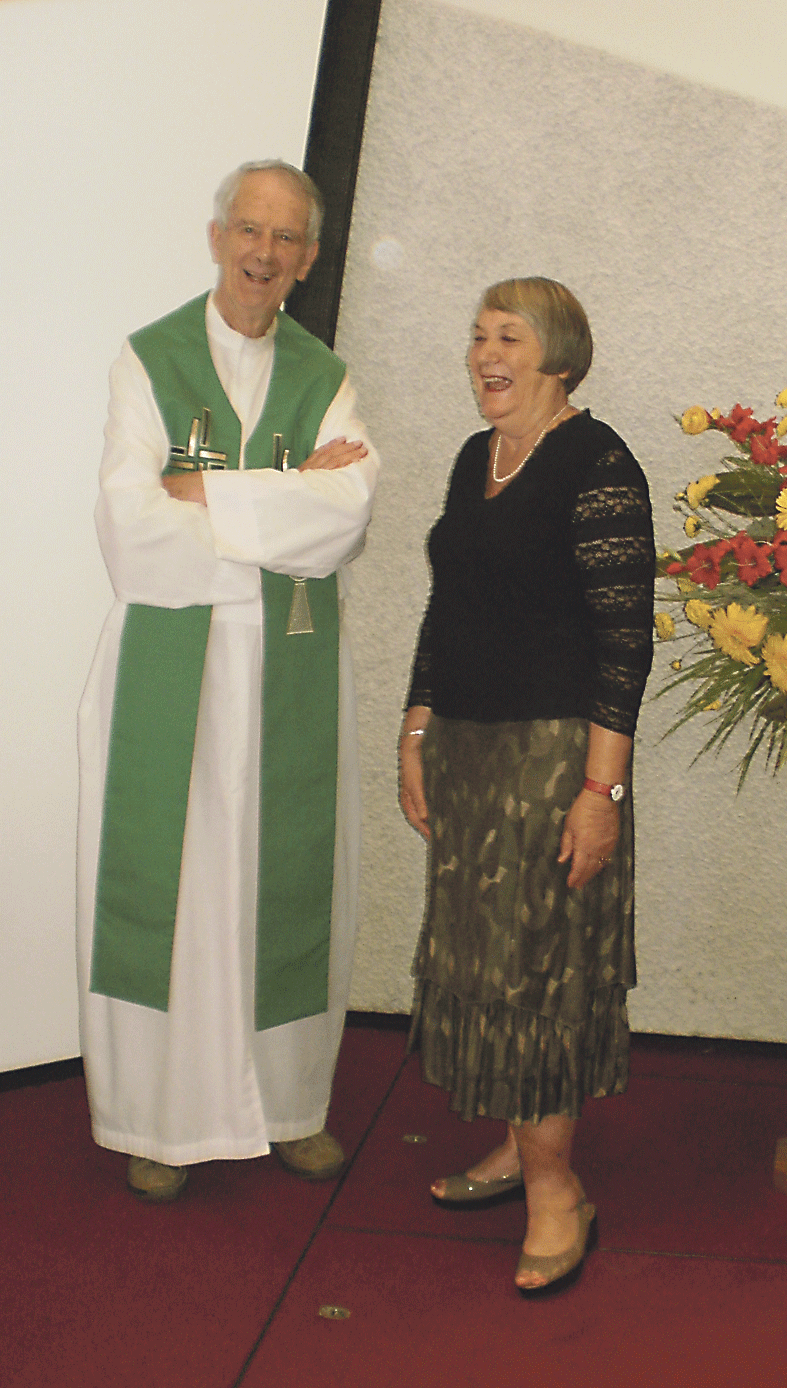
(315, 1158)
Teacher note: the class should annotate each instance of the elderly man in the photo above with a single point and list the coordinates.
(219, 807)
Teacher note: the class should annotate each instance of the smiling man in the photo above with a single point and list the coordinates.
(219, 806)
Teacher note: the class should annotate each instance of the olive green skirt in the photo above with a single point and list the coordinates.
(520, 1001)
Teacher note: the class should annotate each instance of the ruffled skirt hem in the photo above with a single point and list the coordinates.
(498, 1061)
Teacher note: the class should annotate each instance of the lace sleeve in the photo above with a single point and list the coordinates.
(420, 691)
(615, 554)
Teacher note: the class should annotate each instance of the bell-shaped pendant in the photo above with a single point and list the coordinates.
(300, 620)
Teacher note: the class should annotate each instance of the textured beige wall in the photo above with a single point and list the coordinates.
(491, 150)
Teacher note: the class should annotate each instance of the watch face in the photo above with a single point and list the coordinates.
(617, 793)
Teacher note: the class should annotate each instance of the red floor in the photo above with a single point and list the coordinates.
(688, 1287)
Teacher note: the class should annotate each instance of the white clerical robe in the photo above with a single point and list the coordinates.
(197, 1082)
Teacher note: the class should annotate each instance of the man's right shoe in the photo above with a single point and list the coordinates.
(152, 1180)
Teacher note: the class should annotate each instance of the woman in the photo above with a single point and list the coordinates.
(515, 761)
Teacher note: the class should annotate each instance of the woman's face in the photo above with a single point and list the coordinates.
(504, 358)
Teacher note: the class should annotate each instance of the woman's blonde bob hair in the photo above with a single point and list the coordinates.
(557, 319)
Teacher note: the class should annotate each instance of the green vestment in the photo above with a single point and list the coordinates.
(156, 704)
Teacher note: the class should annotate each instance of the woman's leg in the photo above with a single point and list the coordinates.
(552, 1189)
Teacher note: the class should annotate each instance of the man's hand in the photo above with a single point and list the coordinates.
(185, 486)
(337, 453)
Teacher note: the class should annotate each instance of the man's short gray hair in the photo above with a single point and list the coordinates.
(227, 192)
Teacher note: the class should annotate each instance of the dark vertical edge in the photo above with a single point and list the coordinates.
(333, 150)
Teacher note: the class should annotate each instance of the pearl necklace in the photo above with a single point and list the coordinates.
(519, 466)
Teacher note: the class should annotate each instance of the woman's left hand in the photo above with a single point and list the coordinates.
(589, 836)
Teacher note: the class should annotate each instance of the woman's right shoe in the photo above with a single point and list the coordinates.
(469, 1190)
(152, 1180)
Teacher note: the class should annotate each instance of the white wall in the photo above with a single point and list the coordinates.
(119, 119)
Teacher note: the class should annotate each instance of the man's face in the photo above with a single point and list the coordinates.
(261, 251)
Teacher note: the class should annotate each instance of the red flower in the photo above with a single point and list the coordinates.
(704, 565)
(739, 423)
(779, 552)
(765, 449)
(753, 560)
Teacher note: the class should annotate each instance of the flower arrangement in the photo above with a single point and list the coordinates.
(731, 585)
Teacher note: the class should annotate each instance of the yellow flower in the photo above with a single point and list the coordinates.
(781, 509)
(781, 428)
(700, 614)
(685, 584)
(694, 420)
(775, 655)
(665, 626)
(715, 414)
(781, 399)
(692, 526)
(696, 492)
(709, 708)
(735, 629)
(676, 665)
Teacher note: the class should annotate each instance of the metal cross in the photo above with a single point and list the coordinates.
(197, 457)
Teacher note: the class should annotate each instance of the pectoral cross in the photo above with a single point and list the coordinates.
(197, 457)
(281, 455)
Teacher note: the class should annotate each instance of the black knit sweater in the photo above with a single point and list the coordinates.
(542, 596)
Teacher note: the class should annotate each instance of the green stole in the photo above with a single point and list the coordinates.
(157, 692)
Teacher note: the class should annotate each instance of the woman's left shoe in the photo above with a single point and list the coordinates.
(560, 1270)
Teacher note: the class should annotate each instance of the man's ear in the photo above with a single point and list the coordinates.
(309, 257)
(214, 233)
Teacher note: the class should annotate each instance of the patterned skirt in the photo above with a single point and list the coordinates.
(520, 1002)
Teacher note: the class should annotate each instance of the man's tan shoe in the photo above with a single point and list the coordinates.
(152, 1180)
(315, 1158)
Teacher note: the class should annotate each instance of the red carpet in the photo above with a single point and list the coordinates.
(223, 1288)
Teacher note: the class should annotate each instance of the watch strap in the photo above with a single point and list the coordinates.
(612, 792)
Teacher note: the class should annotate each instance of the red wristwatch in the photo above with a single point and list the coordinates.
(615, 793)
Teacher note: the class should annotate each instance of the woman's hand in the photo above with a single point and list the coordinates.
(589, 836)
(411, 771)
(337, 453)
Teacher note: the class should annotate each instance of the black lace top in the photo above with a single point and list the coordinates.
(542, 596)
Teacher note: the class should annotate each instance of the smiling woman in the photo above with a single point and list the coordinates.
(515, 762)
(266, 244)
(505, 365)
(531, 347)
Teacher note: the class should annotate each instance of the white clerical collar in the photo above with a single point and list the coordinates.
(219, 330)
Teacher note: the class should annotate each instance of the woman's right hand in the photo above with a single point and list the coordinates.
(411, 771)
